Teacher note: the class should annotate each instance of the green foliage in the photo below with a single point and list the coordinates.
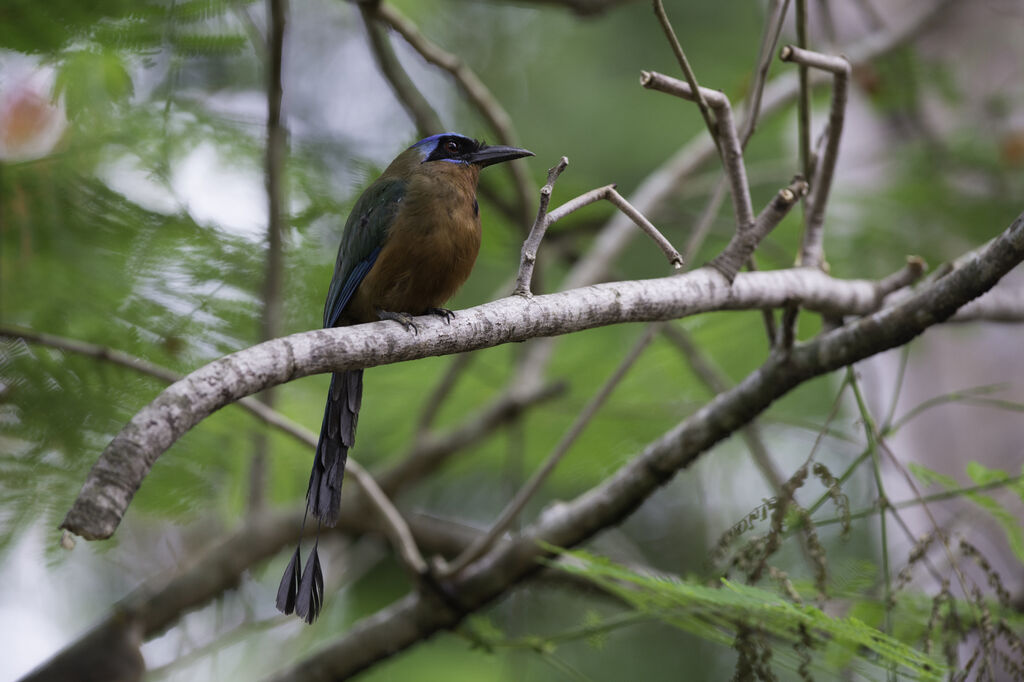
(719, 614)
(1010, 522)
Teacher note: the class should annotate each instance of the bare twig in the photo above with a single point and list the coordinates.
(433, 403)
(395, 526)
(516, 505)
(430, 452)
(528, 256)
(741, 247)
(910, 273)
(812, 251)
(91, 350)
(665, 180)
(804, 94)
(412, 100)
(729, 142)
(769, 39)
(545, 219)
(999, 305)
(684, 64)
(475, 90)
(584, 8)
(711, 377)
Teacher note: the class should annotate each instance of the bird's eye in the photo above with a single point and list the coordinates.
(452, 146)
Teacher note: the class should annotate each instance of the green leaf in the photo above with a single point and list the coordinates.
(930, 477)
(982, 475)
(715, 613)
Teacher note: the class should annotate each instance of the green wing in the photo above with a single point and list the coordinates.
(365, 232)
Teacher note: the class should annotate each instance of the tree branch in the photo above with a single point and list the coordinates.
(418, 616)
(118, 473)
(274, 179)
(412, 100)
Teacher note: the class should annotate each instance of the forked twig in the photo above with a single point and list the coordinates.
(729, 141)
(741, 246)
(812, 250)
(545, 219)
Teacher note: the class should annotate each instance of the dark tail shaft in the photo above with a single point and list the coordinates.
(337, 435)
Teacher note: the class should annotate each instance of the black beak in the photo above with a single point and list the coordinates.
(490, 155)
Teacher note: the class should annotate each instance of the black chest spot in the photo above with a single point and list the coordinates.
(476, 207)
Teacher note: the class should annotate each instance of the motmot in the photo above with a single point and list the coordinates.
(409, 243)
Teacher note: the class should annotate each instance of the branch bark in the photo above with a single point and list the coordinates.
(118, 473)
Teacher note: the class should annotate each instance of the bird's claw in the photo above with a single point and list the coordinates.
(444, 313)
(404, 319)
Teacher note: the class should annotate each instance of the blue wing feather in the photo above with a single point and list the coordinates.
(360, 271)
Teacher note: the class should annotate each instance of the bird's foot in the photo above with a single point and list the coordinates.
(404, 319)
(448, 315)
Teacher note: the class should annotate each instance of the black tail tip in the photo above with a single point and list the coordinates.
(289, 587)
(310, 597)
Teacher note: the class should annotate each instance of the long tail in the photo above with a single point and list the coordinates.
(303, 593)
(337, 435)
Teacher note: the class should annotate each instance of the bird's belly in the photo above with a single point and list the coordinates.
(412, 275)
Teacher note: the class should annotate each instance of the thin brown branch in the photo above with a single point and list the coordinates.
(583, 8)
(804, 94)
(412, 100)
(441, 391)
(273, 279)
(910, 273)
(769, 39)
(684, 64)
(664, 181)
(393, 524)
(526, 493)
(528, 255)
(475, 91)
(91, 350)
(999, 305)
(716, 382)
(430, 452)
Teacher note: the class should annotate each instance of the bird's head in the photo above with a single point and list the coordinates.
(458, 149)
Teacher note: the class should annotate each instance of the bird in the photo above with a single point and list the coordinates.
(408, 244)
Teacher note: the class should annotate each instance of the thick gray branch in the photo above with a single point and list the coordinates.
(118, 473)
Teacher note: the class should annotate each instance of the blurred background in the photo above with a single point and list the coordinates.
(134, 217)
